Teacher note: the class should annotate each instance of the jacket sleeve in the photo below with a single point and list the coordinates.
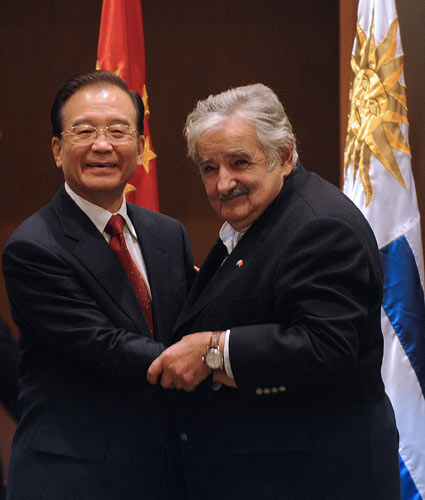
(52, 307)
(324, 292)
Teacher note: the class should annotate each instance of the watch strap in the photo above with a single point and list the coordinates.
(215, 339)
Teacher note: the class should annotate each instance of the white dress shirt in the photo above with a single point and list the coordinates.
(230, 238)
(100, 217)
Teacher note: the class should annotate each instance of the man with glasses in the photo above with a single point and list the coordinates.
(95, 286)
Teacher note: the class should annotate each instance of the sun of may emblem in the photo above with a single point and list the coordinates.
(378, 107)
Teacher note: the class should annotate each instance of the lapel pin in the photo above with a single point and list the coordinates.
(239, 263)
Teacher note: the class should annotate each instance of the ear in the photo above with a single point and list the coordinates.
(140, 149)
(57, 149)
(286, 161)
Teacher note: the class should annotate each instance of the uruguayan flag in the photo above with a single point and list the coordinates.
(378, 178)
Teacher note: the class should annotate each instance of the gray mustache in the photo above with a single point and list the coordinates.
(233, 194)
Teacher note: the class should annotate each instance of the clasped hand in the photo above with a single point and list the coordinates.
(181, 366)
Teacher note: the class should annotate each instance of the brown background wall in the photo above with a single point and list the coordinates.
(193, 48)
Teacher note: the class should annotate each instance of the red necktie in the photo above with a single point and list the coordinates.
(114, 227)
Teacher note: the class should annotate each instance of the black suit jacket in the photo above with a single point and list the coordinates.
(9, 358)
(91, 427)
(309, 420)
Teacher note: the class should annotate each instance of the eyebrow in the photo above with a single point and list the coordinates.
(238, 153)
(203, 161)
(90, 122)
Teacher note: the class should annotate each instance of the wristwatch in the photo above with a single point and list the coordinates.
(213, 357)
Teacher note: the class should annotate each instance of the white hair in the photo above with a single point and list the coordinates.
(257, 104)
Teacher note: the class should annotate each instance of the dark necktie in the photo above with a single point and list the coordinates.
(114, 228)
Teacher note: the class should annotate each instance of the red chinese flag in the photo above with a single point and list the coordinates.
(122, 50)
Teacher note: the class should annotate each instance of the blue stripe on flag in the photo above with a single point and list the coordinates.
(404, 302)
(408, 487)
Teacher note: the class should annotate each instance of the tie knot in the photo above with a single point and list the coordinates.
(115, 225)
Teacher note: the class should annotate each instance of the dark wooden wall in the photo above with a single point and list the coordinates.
(193, 48)
(207, 47)
(411, 15)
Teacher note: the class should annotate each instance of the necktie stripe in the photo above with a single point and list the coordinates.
(114, 228)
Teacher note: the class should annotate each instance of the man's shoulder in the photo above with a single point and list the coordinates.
(47, 224)
(35, 226)
(323, 197)
(317, 201)
(312, 186)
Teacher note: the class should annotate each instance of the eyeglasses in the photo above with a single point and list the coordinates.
(85, 134)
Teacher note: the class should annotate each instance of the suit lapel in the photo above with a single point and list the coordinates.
(213, 279)
(207, 271)
(210, 267)
(91, 249)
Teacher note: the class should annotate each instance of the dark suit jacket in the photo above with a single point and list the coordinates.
(91, 427)
(9, 358)
(310, 420)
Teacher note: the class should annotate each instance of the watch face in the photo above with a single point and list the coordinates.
(214, 359)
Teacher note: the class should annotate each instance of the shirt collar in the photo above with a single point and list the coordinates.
(230, 237)
(98, 215)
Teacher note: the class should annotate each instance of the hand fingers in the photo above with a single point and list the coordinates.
(167, 381)
(154, 371)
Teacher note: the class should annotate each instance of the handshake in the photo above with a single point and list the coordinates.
(187, 363)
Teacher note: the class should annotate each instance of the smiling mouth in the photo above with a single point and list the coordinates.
(101, 165)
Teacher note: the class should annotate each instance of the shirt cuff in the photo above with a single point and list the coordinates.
(227, 365)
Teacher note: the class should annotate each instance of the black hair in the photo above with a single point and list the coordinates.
(97, 78)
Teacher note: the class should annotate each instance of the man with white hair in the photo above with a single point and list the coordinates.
(285, 315)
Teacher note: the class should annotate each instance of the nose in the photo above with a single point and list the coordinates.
(101, 142)
(226, 181)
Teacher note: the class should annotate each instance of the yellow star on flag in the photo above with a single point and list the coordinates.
(148, 155)
(145, 100)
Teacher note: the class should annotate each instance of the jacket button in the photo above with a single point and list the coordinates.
(183, 436)
(267, 390)
(274, 390)
(282, 388)
(259, 391)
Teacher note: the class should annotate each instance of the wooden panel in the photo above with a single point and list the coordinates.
(196, 48)
(193, 48)
(411, 15)
(347, 29)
